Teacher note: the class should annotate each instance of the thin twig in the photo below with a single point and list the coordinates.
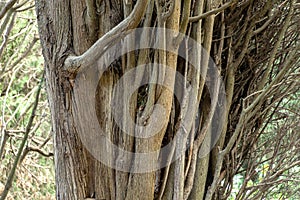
(212, 12)
(21, 147)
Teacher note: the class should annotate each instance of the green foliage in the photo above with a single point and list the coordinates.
(21, 68)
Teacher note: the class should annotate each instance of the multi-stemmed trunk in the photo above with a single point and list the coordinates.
(75, 36)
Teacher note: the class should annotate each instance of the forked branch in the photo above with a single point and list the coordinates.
(212, 12)
(75, 63)
(6, 8)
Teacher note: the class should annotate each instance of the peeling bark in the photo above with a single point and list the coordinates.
(75, 34)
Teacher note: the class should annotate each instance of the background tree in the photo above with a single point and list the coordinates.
(255, 45)
(25, 138)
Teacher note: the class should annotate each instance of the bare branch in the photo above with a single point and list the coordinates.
(8, 30)
(20, 150)
(212, 12)
(7, 7)
(75, 63)
(277, 45)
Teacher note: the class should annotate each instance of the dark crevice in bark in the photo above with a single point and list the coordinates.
(67, 28)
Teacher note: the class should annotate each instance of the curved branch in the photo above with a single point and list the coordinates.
(75, 63)
(212, 12)
(8, 6)
(22, 145)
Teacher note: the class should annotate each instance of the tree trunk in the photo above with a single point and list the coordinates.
(77, 38)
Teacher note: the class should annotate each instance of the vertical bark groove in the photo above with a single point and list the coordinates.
(74, 35)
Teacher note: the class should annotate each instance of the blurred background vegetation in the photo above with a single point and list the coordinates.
(272, 169)
(21, 71)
